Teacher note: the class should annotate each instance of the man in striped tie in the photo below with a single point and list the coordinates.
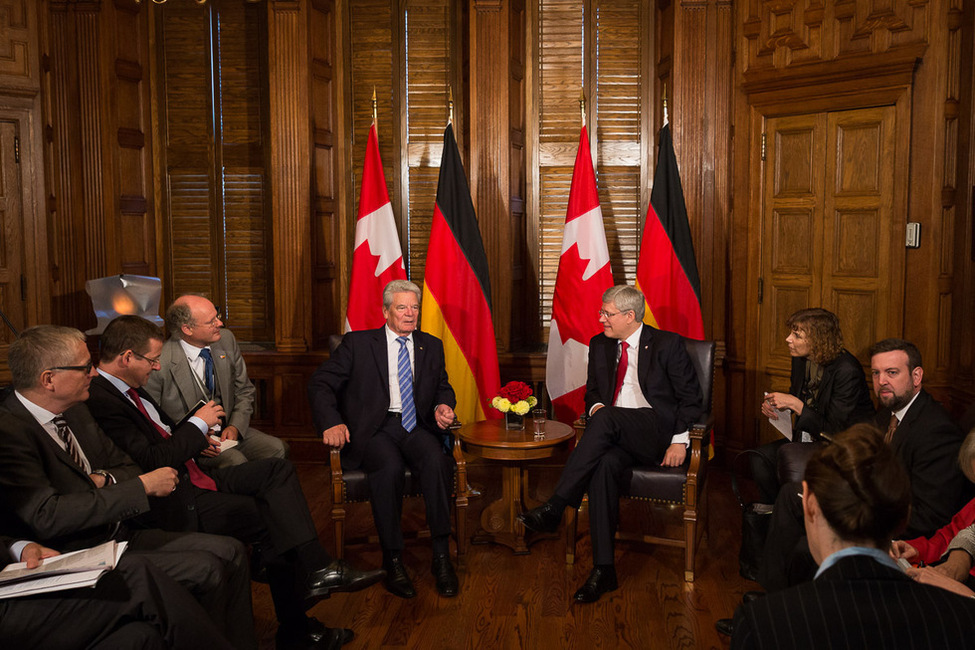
(384, 399)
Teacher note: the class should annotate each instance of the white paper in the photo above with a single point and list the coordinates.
(80, 568)
(783, 423)
(224, 445)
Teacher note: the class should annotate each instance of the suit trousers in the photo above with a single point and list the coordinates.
(387, 455)
(135, 606)
(261, 503)
(615, 439)
(212, 567)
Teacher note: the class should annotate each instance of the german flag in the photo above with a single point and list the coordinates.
(457, 292)
(667, 269)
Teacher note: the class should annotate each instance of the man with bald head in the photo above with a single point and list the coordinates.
(201, 360)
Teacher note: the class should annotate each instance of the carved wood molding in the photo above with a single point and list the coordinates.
(89, 87)
(893, 69)
(290, 173)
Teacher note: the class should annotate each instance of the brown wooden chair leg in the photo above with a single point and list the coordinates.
(571, 520)
(690, 539)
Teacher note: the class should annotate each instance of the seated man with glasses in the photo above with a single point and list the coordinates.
(202, 360)
(259, 502)
(642, 395)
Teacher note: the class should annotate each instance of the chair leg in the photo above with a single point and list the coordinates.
(338, 519)
(690, 539)
(571, 520)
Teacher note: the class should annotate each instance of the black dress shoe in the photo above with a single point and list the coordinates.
(443, 571)
(315, 635)
(598, 583)
(543, 519)
(751, 596)
(337, 577)
(725, 626)
(397, 580)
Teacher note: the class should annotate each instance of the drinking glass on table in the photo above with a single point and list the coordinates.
(539, 417)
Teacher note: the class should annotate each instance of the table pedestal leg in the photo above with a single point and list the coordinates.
(499, 523)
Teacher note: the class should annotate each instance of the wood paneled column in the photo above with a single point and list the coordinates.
(290, 172)
(489, 152)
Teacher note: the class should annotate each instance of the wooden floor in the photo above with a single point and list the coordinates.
(508, 601)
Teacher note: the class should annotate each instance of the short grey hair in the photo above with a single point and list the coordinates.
(399, 286)
(40, 348)
(177, 315)
(626, 298)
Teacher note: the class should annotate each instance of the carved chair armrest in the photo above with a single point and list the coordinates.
(458, 453)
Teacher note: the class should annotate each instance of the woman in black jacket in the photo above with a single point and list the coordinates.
(828, 392)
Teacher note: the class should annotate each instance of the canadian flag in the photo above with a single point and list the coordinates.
(584, 274)
(377, 258)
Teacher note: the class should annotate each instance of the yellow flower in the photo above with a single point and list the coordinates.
(521, 407)
(532, 401)
(502, 404)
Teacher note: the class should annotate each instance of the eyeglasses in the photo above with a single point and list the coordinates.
(609, 314)
(211, 322)
(85, 368)
(153, 361)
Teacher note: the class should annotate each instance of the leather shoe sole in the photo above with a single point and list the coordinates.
(543, 519)
(752, 596)
(338, 577)
(595, 586)
(725, 626)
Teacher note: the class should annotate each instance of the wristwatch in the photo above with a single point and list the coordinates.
(109, 479)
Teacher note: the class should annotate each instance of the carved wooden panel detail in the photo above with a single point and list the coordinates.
(18, 48)
(783, 33)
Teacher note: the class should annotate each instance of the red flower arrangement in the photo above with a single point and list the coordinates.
(515, 391)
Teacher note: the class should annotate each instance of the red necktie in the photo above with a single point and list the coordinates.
(197, 477)
(620, 370)
(891, 427)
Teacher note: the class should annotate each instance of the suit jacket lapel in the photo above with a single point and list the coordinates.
(186, 384)
(19, 411)
(381, 358)
(645, 360)
(221, 368)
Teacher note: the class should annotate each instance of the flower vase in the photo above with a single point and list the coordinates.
(514, 422)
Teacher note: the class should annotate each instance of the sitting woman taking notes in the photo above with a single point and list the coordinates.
(828, 391)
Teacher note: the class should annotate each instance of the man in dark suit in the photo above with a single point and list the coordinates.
(642, 395)
(135, 606)
(385, 401)
(64, 484)
(923, 438)
(855, 498)
(259, 502)
(202, 360)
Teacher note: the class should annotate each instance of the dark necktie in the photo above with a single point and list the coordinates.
(621, 370)
(405, 373)
(70, 442)
(197, 477)
(207, 369)
(891, 428)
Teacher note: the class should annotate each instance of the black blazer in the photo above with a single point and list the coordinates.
(353, 387)
(843, 400)
(927, 443)
(857, 603)
(47, 496)
(667, 377)
(131, 431)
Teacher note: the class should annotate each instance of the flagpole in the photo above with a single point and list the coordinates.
(375, 107)
(582, 106)
(450, 105)
(666, 120)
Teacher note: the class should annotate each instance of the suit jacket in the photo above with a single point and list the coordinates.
(353, 387)
(857, 603)
(131, 431)
(927, 442)
(843, 400)
(175, 389)
(47, 496)
(667, 377)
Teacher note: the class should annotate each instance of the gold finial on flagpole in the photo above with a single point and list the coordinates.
(375, 107)
(582, 106)
(665, 104)
(450, 105)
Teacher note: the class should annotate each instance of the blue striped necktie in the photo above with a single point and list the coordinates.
(207, 369)
(405, 373)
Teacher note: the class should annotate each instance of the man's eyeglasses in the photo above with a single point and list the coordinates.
(211, 322)
(153, 361)
(85, 368)
(609, 314)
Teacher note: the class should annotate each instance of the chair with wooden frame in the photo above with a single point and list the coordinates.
(677, 488)
(352, 486)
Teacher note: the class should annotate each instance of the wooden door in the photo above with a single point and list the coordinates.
(12, 279)
(827, 229)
